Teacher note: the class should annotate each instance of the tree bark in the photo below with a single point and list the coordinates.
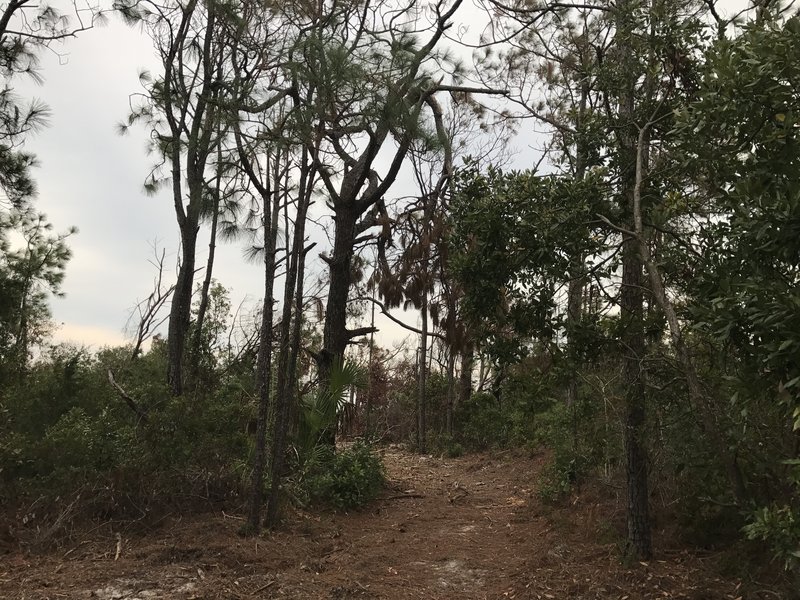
(632, 338)
(204, 291)
(285, 376)
(180, 310)
(368, 407)
(264, 360)
(631, 307)
(335, 335)
(198, 130)
(451, 390)
(422, 376)
(577, 272)
(465, 375)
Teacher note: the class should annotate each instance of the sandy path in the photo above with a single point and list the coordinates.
(463, 528)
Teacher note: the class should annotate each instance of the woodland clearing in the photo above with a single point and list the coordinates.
(468, 527)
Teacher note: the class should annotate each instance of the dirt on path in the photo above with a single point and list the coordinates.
(465, 528)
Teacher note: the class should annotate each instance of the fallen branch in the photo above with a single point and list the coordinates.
(262, 588)
(128, 400)
(403, 496)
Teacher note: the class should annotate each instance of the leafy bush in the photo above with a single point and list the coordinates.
(65, 428)
(778, 526)
(347, 479)
(556, 480)
(577, 437)
(481, 424)
(446, 445)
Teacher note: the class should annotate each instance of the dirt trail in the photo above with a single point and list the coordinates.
(445, 528)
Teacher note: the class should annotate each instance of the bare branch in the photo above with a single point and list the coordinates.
(128, 400)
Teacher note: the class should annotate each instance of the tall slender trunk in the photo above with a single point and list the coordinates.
(465, 374)
(633, 344)
(296, 340)
(422, 377)
(631, 307)
(285, 378)
(632, 339)
(264, 370)
(368, 408)
(203, 306)
(198, 133)
(577, 271)
(451, 390)
(212, 249)
(180, 310)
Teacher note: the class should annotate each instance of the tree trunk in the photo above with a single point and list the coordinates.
(264, 370)
(632, 301)
(199, 143)
(212, 248)
(422, 377)
(631, 307)
(633, 343)
(335, 335)
(296, 340)
(368, 408)
(577, 272)
(285, 374)
(451, 390)
(180, 310)
(465, 375)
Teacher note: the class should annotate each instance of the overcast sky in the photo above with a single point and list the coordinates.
(91, 177)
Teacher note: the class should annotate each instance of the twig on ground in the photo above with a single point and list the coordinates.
(263, 587)
(403, 496)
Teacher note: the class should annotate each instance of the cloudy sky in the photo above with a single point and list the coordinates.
(92, 178)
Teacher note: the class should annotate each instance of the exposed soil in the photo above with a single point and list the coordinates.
(462, 528)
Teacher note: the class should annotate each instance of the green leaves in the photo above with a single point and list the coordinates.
(517, 238)
(779, 526)
(30, 270)
(346, 480)
(320, 411)
(741, 146)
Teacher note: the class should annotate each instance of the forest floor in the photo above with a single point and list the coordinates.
(470, 527)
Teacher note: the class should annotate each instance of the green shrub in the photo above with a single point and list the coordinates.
(445, 445)
(65, 428)
(779, 527)
(348, 479)
(577, 438)
(453, 449)
(481, 424)
(556, 480)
